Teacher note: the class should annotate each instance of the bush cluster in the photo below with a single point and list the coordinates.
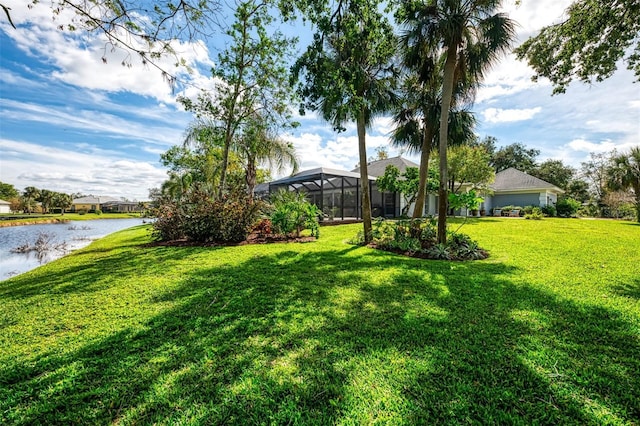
(549, 210)
(291, 212)
(567, 207)
(418, 237)
(201, 218)
(534, 214)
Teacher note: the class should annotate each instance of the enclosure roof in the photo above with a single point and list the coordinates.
(315, 174)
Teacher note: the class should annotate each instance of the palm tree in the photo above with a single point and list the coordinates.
(63, 201)
(257, 146)
(472, 36)
(206, 138)
(176, 186)
(624, 173)
(29, 197)
(350, 76)
(417, 124)
(47, 200)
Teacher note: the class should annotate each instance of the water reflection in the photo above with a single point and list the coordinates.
(23, 248)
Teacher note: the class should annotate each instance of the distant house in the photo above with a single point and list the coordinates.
(105, 204)
(122, 207)
(90, 204)
(515, 188)
(5, 206)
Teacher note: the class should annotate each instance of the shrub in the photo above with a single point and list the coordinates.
(461, 246)
(225, 220)
(419, 237)
(291, 213)
(168, 223)
(98, 211)
(549, 210)
(567, 207)
(439, 251)
(264, 228)
(82, 212)
(536, 214)
(201, 218)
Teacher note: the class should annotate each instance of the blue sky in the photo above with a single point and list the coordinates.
(69, 122)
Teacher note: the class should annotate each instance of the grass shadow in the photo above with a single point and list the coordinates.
(336, 336)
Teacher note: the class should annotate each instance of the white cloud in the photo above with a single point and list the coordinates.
(582, 145)
(78, 56)
(531, 16)
(107, 125)
(70, 171)
(497, 115)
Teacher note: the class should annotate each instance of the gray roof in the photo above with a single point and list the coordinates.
(377, 168)
(94, 200)
(512, 180)
(5, 202)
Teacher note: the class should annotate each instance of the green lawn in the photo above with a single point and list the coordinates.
(545, 331)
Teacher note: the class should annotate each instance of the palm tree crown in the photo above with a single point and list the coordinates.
(624, 173)
(471, 36)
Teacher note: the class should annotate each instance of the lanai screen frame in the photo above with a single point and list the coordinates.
(312, 183)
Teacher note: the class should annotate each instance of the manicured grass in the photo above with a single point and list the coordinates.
(47, 218)
(545, 331)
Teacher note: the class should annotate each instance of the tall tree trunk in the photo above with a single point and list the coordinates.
(250, 177)
(225, 160)
(447, 92)
(364, 177)
(427, 138)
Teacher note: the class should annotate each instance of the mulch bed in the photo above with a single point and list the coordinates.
(423, 255)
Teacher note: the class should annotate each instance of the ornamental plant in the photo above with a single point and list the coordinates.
(292, 213)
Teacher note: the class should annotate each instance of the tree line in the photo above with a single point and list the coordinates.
(31, 198)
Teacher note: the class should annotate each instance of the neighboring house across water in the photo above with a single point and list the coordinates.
(122, 207)
(337, 192)
(105, 204)
(5, 206)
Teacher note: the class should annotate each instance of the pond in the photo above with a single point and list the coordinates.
(40, 244)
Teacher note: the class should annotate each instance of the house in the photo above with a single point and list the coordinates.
(105, 204)
(515, 188)
(90, 203)
(5, 206)
(387, 204)
(337, 192)
(122, 207)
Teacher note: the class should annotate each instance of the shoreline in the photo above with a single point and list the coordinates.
(8, 223)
